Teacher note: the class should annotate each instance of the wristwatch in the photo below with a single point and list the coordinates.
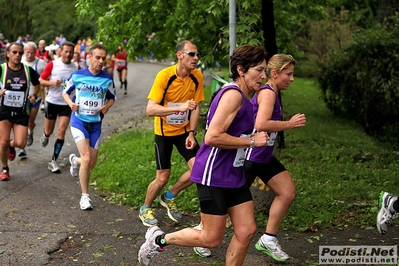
(251, 142)
(194, 132)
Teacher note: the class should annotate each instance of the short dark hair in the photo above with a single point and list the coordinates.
(246, 56)
(67, 43)
(97, 46)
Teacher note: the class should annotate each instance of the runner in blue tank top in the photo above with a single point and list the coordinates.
(218, 171)
(261, 161)
(95, 94)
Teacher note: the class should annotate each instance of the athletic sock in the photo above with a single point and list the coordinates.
(169, 195)
(57, 148)
(268, 237)
(143, 208)
(160, 240)
(395, 205)
(6, 168)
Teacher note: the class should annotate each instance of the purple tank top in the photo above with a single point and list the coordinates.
(214, 166)
(263, 154)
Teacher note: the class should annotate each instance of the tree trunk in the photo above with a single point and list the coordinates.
(269, 35)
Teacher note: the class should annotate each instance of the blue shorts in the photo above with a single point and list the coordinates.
(36, 105)
(83, 130)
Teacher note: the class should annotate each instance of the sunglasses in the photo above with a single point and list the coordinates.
(192, 54)
(16, 52)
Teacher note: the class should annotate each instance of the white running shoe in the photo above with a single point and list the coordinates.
(271, 248)
(85, 203)
(200, 251)
(149, 249)
(53, 167)
(74, 169)
(386, 212)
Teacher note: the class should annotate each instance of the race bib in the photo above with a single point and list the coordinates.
(121, 63)
(272, 138)
(14, 98)
(89, 106)
(177, 118)
(240, 154)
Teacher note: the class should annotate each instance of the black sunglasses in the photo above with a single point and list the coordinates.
(16, 52)
(192, 54)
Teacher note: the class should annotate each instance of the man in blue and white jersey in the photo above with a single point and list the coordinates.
(94, 95)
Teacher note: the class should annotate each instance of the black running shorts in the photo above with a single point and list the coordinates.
(216, 201)
(14, 117)
(54, 110)
(164, 147)
(265, 171)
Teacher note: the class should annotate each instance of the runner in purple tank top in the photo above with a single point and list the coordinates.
(218, 171)
(261, 161)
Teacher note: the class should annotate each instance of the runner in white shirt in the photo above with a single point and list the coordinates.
(38, 65)
(54, 76)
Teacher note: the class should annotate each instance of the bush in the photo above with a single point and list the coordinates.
(362, 82)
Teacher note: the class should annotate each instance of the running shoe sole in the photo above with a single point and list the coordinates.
(200, 254)
(268, 252)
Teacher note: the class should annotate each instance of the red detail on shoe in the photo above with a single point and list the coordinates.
(4, 176)
(12, 153)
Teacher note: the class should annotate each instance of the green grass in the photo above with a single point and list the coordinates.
(338, 170)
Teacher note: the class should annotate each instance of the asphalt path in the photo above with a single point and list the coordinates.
(41, 222)
(39, 209)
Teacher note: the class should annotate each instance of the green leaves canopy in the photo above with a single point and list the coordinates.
(206, 24)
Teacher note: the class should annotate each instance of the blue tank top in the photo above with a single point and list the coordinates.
(214, 166)
(263, 154)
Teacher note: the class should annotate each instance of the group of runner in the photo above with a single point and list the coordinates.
(22, 79)
(217, 165)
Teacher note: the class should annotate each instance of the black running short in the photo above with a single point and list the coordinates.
(19, 118)
(164, 147)
(216, 201)
(265, 171)
(54, 110)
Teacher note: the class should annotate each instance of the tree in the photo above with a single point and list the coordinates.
(11, 17)
(206, 24)
(43, 20)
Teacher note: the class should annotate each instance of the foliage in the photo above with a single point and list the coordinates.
(338, 170)
(329, 35)
(362, 82)
(43, 20)
(207, 24)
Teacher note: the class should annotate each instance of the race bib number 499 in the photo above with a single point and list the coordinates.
(88, 106)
